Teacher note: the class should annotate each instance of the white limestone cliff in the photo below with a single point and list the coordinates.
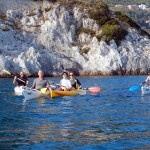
(48, 40)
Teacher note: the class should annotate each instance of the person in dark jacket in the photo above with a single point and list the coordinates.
(21, 80)
(74, 81)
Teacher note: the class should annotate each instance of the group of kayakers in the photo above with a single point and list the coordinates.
(40, 82)
(64, 85)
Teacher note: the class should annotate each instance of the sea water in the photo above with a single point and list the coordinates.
(113, 119)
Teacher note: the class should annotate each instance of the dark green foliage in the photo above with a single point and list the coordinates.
(5, 28)
(43, 0)
(139, 16)
(121, 16)
(112, 22)
(100, 19)
(112, 30)
(100, 13)
(35, 0)
(3, 16)
(84, 50)
(47, 9)
(85, 30)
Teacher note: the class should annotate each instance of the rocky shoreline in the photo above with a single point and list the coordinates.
(46, 38)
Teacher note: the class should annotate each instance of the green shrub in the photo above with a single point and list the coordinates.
(99, 37)
(110, 31)
(31, 14)
(5, 28)
(34, 0)
(100, 14)
(102, 20)
(3, 16)
(47, 9)
(126, 19)
(85, 30)
(84, 50)
(71, 2)
(112, 22)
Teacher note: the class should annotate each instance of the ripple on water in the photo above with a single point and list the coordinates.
(114, 119)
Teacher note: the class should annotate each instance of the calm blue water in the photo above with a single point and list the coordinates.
(114, 119)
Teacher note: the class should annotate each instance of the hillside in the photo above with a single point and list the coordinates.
(71, 35)
(127, 2)
(138, 15)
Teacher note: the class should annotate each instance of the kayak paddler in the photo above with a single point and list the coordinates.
(147, 81)
(40, 82)
(21, 80)
(74, 81)
(65, 84)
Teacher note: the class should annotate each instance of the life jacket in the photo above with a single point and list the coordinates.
(75, 85)
(21, 83)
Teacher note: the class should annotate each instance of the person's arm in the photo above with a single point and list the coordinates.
(15, 80)
(59, 84)
(147, 79)
(79, 83)
(47, 84)
(27, 82)
(34, 84)
(69, 86)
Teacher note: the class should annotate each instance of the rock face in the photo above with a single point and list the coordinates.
(46, 38)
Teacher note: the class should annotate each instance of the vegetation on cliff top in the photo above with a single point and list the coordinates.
(109, 25)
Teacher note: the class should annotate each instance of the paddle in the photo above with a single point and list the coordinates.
(81, 91)
(92, 90)
(135, 87)
(43, 90)
(6, 71)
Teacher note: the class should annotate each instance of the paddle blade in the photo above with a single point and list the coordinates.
(94, 90)
(81, 91)
(52, 86)
(6, 71)
(43, 90)
(133, 88)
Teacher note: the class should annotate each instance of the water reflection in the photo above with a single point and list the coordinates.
(115, 118)
(145, 97)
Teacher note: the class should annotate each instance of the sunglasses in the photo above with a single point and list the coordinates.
(71, 74)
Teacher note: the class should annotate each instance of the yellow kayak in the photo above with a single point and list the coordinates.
(56, 93)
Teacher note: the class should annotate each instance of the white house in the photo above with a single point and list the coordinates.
(142, 6)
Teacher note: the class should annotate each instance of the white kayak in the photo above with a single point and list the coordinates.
(19, 90)
(31, 94)
(145, 90)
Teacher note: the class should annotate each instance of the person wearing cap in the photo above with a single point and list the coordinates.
(65, 84)
(148, 80)
(74, 81)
